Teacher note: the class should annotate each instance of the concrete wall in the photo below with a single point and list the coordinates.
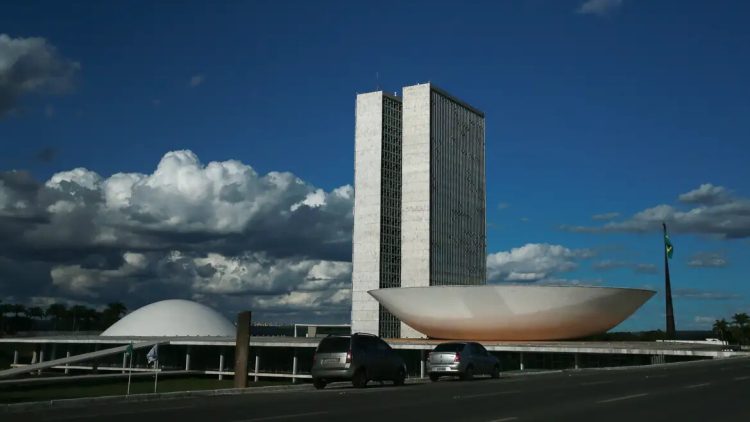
(415, 192)
(367, 207)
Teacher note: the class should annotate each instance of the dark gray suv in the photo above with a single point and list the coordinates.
(359, 358)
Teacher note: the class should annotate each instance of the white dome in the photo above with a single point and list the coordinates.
(170, 318)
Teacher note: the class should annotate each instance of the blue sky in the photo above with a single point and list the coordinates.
(592, 108)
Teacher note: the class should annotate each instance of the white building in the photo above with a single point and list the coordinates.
(419, 207)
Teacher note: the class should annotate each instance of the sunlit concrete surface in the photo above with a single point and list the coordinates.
(511, 312)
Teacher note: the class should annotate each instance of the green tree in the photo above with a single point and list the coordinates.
(77, 313)
(741, 326)
(112, 313)
(57, 312)
(721, 327)
(35, 313)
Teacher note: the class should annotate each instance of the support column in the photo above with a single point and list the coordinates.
(576, 359)
(242, 349)
(124, 362)
(294, 368)
(67, 355)
(15, 357)
(41, 359)
(221, 366)
(33, 357)
(257, 367)
(521, 361)
(421, 364)
(187, 359)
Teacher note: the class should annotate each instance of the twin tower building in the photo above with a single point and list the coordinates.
(419, 204)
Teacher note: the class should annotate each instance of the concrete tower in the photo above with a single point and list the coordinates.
(419, 204)
(376, 242)
(443, 208)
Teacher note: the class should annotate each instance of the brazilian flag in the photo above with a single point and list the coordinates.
(668, 246)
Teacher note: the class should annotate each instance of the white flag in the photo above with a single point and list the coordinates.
(153, 354)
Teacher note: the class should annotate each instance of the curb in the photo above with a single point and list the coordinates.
(139, 398)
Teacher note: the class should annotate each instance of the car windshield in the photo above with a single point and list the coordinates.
(449, 347)
(334, 345)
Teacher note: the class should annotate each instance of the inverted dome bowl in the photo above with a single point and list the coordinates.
(511, 312)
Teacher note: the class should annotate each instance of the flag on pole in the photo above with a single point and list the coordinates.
(153, 354)
(668, 246)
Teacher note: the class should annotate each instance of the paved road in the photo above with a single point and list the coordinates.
(698, 391)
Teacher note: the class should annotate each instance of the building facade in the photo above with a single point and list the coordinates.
(419, 207)
(376, 242)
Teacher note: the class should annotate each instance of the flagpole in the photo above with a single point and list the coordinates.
(156, 373)
(671, 332)
(130, 372)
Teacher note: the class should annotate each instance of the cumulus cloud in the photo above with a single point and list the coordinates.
(706, 194)
(599, 7)
(31, 66)
(533, 262)
(708, 259)
(209, 231)
(715, 211)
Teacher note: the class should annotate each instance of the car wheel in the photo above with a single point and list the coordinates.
(400, 378)
(319, 383)
(434, 377)
(495, 372)
(359, 380)
(468, 374)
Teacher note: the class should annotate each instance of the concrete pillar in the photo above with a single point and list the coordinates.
(294, 367)
(577, 361)
(15, 357)
(124, 362)
(67, 355)
(521, 360)
(41, 359)
(33, 357)
(242, 349)
(257, 367)
(421, 364)
(187, 359)
(221, 366)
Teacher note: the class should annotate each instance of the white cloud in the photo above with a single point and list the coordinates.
(707, 194)
(533, 262)
(31, 65)
(716, 212)
(708, 259)
(216, 232)
(599, 7)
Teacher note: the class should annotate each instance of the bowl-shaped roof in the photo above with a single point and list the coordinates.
(511, 312)
(172, 317)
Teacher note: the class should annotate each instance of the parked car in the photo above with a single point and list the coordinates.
(464, 359)
(358, 358)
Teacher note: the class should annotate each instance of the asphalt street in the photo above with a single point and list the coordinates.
(715, 390)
